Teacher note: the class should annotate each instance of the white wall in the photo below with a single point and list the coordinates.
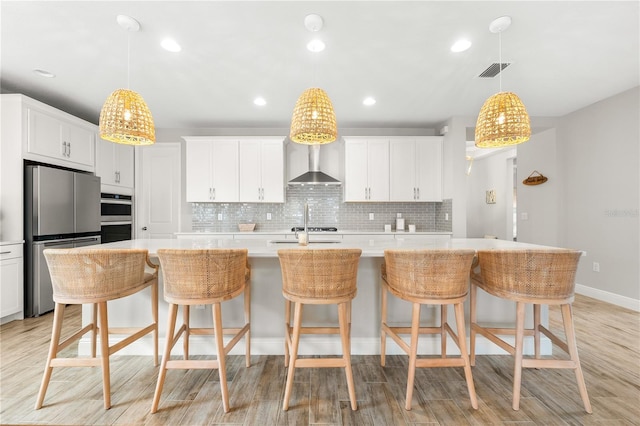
(599, 152)
(591, 200)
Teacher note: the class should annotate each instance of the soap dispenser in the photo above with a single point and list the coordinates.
(399, 223)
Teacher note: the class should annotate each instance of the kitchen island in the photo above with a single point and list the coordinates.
(267, 304)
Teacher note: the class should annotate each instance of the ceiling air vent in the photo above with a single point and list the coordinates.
(493, 70)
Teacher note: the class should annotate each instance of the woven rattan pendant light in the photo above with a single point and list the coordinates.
(314, 120)
(125, 117)
(503, 120)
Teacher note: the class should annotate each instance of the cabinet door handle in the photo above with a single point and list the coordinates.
(69, 152)
(262, 194)
(214, 194)
(5, 252)
(418, 190)
(414, 193)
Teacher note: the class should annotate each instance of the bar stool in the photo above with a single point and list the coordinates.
(428, 277)
(96, 276)
(539, 277)
(318, 277)
(203, 277)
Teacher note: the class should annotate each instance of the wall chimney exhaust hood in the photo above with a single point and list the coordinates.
(314, 176)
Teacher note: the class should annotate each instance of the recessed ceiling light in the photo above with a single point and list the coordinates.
(260, 101)
(170, 45)
(460, 45)
(369, 101)
(315, 45)
(44, 73)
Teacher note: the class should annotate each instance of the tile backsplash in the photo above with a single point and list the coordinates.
(325, 209)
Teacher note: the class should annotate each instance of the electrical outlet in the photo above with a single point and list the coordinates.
(596, 267)
(198, 307)
(268, 216)
(584, 253)
(398, 215)
(371, 216)
(219, 216)
(446, 216)
(524, 216)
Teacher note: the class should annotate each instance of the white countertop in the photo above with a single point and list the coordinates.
(289, 231)
(369, 247)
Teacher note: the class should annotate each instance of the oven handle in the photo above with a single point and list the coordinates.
(126, 222)
(112, 201)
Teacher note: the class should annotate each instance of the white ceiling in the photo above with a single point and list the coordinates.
(565, 55)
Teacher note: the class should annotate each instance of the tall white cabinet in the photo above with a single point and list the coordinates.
(212, 169)
(366, 169)
(115, 165)
(415, 169)
(261, 176)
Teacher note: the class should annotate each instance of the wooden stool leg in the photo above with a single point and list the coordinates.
(536, 330)
(297, 322)
(247, 320)
(567, 319)
(154, 314)
(443, 331)
(171, 325)
(185, 320)
(415, 328)
(104, 353)
(517, 371)
(94, 329)
(222, 368)
(58, 315)
(383, 334)
(287, 331)
(462, 343)
(343, 318)
(473, 294)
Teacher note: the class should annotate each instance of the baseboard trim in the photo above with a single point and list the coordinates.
(606, 296)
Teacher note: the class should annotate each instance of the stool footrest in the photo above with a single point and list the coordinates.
(320, 362)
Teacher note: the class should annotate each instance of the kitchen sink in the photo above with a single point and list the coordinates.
(310, 242)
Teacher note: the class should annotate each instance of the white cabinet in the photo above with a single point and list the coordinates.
(212, 169)
(11, 280)
(262, 170)
(114, 164)
(60, 139)
(366, 169)
(415, 169)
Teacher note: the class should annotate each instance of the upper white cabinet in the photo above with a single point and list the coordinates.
(261, 174)
(212, 169)
(56, 137)
(366, 169)
(415, 169)
(114, 165)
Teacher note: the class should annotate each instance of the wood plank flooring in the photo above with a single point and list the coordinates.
(608, 342)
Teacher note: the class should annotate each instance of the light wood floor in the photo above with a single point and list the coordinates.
(608, 342)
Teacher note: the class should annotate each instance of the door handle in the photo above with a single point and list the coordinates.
(144, 228)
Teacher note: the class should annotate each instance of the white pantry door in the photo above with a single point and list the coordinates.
(158, 195)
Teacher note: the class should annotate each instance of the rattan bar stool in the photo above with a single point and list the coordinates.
(204, 277)
(539, 277)
(428, 277)
(96, 276)
(318, 277)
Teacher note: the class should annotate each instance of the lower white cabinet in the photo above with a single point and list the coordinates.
(11, 279)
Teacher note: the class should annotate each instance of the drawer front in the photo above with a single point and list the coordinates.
(10, 251)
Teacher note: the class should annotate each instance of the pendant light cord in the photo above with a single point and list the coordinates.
(128, 59)
(500, 57)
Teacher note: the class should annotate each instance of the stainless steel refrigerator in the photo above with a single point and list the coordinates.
(62, 210)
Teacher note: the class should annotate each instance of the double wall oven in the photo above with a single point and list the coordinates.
(116, 217)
